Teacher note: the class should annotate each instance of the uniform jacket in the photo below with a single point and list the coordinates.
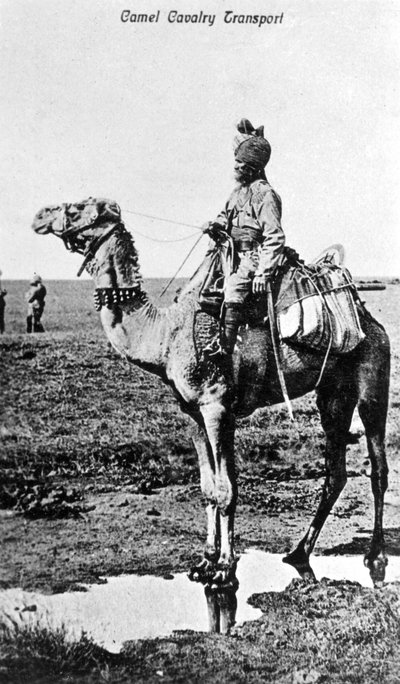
(35, 297)
(254, 213)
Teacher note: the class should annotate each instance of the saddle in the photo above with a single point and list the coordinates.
(315, 306)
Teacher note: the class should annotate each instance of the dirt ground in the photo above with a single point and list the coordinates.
(122, 530)
(164, 532)
(120, 525)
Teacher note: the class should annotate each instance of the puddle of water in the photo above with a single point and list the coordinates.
(132, 607)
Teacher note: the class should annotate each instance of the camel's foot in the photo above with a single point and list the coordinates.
(377, 567)
(215, 575)
(203, 572)
(225, 578)
(299, 560)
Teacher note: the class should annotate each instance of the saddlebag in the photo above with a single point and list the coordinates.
(318, 309)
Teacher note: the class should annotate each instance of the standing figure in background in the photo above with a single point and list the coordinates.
(2, 307)
(35, 298)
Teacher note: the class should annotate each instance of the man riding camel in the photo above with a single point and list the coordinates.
(252, 218)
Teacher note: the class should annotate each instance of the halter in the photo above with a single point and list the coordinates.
(103, 296)
(69, 239)
(92, 247)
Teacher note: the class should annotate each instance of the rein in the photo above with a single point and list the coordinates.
(110, 296)
(181, 266)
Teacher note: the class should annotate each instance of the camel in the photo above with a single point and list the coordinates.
(215, 391)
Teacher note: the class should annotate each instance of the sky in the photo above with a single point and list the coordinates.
(145, 114)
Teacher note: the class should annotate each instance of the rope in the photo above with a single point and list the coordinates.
(181, 266)
(324, 304)
(133, 230)
(276, 348)
(177, 223)
(158, 218)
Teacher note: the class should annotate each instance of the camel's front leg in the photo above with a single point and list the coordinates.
(206, 569)
(220, 429)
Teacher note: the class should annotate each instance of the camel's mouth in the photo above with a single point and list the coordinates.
(49, 220)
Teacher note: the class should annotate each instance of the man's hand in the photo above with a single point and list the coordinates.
(260, 283)
(214, 230)
(206, 227)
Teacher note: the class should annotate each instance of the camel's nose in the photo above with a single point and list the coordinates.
(45, 220)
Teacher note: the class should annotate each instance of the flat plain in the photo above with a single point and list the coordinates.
(99, 478)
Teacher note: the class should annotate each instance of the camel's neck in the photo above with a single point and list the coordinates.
(137, 329)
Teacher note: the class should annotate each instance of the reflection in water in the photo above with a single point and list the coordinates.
(222, 607)
(132, 607)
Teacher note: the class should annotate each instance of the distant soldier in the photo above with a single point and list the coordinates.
(35, 298)
(2, 307)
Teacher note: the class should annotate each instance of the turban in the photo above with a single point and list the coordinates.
(250, 146)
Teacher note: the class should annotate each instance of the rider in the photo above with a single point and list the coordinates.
(252, 217)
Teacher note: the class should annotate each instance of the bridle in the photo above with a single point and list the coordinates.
(69, 237)
(103, 296)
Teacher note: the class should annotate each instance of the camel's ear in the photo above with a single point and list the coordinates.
(46, 219)
(82, 214)
(109, 211)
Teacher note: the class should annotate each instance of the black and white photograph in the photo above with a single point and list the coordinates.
(200, 341)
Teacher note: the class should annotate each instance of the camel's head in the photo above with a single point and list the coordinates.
(86, 226)
(78, 224)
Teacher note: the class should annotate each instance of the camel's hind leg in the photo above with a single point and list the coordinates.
(373, 389)
(336, 402)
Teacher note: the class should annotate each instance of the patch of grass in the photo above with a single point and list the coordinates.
(335, 627)
(74, 409)
(40, 654)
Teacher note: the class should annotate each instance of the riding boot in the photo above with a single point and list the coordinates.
(224, 343)
(29, 324)
(232, 320)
